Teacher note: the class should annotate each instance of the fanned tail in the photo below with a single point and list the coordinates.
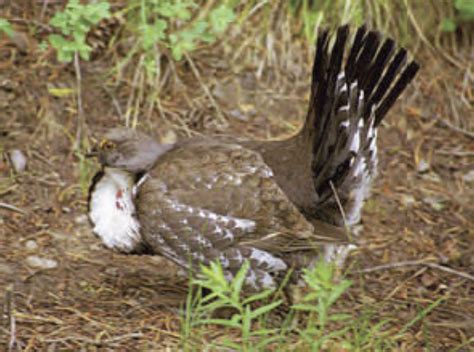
(347, 103)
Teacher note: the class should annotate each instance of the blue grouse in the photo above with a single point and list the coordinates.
(272, 203)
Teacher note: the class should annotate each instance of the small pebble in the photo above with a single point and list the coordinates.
(357, 229)
(169, 137)
(81, 219)
(432, 177)
(408, 200)
(111, 271)
(96, 247)
(469, 177)
(423, 166)
(239, 115)
(5, 270)
(41, 263)
(436, 203)
(31, 245)
(18, 160)
(182, 273)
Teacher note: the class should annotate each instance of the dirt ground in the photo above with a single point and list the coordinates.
(416, 246)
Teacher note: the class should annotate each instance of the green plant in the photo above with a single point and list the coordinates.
(465, 13)
(6, 27)
(74, 23)
(163, 30)
(171, 24)
(86, 170)
(421, 315)
(228, 295)
(365, 335)
(324, 292)
(250, 322)
(313, 14)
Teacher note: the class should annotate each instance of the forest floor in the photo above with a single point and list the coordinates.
(61, 289)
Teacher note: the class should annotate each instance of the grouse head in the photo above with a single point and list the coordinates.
(125, 155)
(129, 150)
(266, 202)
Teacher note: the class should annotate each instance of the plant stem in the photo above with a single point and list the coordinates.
(80, 111)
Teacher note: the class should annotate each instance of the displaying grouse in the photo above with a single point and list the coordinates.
(272, 203)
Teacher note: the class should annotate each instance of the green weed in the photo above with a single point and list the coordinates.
(174, 25)
(85, 168)
(74, 23)
(6, 27)
(249, 321)
(228, 295)
(464, 13)
(324, 292)
(313, 14)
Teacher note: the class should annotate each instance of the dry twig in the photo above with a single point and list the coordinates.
(80, 110)
(219, 112)
(409, 263)
(12, 208)
(341, 209)
(9, 310)
(455, 128)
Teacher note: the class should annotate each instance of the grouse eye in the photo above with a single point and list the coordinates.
(107, 145)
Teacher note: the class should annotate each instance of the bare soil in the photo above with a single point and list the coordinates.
(418, 228)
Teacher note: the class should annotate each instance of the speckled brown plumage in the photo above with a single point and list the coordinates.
(270, 202)
(215, 201)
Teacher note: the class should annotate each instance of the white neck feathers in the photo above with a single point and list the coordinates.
(112, 211)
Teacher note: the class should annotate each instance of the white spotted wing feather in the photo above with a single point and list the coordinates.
(204, 203)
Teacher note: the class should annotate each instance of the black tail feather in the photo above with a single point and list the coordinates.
(320, 62)
(376, 69)
(348, 101)
(390, 74)
(354, 53)
(365, 58)
(320, 124)
(331, 77)
(407, 76)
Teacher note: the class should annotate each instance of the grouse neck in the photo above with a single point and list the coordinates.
(112, 210)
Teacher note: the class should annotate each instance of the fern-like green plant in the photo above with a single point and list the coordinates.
(171, 23)
(74, 23)
(175, 25)
(324, 291)
(311, 325)
(228, 295)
